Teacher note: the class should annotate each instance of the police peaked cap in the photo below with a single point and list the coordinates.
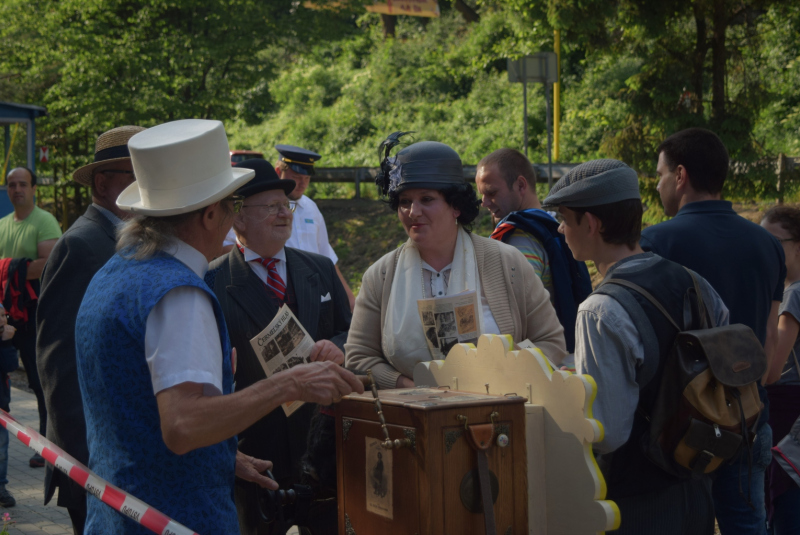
(298, 159)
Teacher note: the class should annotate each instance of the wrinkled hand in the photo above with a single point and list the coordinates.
(322, 382)
(250, 469)
(404, 382)
(8, 332)
(326, 350)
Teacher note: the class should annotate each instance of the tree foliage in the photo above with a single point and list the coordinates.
(632, 72)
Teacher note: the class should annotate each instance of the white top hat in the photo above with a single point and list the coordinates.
(180, 166)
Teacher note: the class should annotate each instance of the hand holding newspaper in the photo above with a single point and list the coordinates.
(448, 321)
(283, 344)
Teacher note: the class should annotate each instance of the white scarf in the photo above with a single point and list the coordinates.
(404, 342)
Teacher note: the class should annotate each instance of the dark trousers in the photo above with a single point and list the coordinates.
(686, 508)
(25, 342)
(78, 518)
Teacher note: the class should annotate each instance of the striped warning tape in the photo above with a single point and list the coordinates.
(118, 499)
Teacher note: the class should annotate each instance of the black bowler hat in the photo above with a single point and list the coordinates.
(266, 178)
(298, 159)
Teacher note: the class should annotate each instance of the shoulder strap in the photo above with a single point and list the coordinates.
(649, 366)
(706, 320)
(644, 293)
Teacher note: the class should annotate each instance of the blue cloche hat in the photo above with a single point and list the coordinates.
(266, 178)
(426, 164)
(298, 159)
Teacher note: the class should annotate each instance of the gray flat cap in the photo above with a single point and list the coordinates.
(594, 183)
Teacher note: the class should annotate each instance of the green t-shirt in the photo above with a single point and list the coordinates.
(19, 239)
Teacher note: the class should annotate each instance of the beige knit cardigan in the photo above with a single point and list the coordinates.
(518, 301)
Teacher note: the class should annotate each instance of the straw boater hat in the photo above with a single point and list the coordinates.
(180, 166)
(111, 146)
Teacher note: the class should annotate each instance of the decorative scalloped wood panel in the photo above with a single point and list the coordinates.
(566, 490)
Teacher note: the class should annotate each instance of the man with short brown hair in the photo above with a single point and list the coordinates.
(28, 232)
(507, 182)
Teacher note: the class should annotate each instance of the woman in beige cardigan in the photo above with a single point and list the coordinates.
(425, 184)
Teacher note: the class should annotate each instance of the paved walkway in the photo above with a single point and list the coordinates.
(26, 483)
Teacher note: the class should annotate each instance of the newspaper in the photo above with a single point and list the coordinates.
(283, 344)
(448, 321)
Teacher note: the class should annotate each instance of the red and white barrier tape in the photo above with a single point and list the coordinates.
(118, 499)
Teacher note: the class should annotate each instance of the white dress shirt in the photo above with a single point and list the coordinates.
(181, 340)
(253, 260)
(436, 283)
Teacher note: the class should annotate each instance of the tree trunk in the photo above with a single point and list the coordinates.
(388, 25)
(469, 14)
(718, 62)
(700, 50)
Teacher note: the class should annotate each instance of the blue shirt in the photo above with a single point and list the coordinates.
(790, 375)
(743, 262)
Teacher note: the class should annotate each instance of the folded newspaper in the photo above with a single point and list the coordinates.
(283, 344)
(448, 321)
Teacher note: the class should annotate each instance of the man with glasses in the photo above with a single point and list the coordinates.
(252, 282)
(76, 257)
(309, 232)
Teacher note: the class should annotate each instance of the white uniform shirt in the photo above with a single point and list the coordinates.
(308, 230)
(181, 342)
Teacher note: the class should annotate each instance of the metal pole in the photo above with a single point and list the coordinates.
(7, 131)
(549, 132)
(525, 104)
(557, 100)
(32, 146)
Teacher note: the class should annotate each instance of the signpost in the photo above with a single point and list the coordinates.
(539, 68)
(415, 8)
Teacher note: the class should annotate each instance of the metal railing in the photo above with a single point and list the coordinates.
(362, 175)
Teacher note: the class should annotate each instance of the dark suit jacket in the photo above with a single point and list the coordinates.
(248, 309)
(76, 257)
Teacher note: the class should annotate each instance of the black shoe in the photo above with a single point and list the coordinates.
(37, 461)
(6, 499)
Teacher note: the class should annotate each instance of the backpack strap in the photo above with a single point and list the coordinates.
(644, 293)
(649, 367)
(706, 320)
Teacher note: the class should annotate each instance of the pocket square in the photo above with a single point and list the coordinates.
(326, 297)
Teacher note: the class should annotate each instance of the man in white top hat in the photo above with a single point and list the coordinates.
(155, 364)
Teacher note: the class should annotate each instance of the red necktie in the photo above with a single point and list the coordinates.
(274, 280)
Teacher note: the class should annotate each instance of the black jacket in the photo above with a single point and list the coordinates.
(248, 309)
(76, 257)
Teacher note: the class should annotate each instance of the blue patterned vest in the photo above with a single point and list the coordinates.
(122, 421)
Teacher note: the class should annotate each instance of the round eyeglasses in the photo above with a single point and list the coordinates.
(260, 212)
